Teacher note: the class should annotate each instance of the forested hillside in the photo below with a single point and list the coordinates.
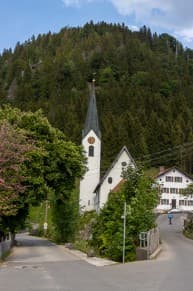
(144, 88)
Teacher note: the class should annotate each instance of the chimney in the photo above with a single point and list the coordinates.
(161, 169)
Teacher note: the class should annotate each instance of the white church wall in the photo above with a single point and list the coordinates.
(171, 190)
(92, 176)
(115, 174)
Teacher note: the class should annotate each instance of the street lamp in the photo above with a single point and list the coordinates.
(124, 229)
(46, 218)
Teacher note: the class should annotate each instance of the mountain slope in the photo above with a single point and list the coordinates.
(144, 87)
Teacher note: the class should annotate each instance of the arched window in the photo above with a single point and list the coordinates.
(91, 151)
(110, 180)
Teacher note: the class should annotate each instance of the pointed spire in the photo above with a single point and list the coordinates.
(91, 122)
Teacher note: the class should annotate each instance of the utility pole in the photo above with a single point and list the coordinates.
(124, 230)
(46, 218)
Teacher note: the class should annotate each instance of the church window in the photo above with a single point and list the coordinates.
(91, 151)
(88, 202)
(110, 180)
(124, 164)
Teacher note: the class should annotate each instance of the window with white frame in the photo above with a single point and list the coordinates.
(166, 190)
(169, 179)
(174, 190)
(178, 179)
(180, 190)
(164, 201)
(181, 202)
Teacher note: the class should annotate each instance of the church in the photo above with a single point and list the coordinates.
(94, 189)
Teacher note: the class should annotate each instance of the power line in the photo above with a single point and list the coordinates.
(168, 150)
(175, 153)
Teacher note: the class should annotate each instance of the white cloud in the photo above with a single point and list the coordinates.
(133, 27)
(186, 34)
(173, 15)
(75, 3)
(170, 15)
(138, 7)
(71, 2)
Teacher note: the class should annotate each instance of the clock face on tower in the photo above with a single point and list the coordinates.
(91, 140)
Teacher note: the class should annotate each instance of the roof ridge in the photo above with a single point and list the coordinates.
(113, 163)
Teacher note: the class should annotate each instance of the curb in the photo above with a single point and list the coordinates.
(98, 262)
(155, 253)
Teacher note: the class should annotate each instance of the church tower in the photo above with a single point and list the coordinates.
(91, 141)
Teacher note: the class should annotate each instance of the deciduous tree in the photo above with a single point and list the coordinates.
(141, 198)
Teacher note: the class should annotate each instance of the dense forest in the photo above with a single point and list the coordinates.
(144, 88)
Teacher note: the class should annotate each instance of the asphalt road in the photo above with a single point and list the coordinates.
(38, 265)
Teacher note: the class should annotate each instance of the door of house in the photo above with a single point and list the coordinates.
(173, 203)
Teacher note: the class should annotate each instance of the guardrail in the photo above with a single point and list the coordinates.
(149, 243)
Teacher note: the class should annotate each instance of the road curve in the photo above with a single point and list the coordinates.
(37, 264)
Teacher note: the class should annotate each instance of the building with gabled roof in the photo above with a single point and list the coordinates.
(113, 177)
(171, 183)
(93, 190)
(91, 142)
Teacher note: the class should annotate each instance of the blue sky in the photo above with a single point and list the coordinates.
(20, 19)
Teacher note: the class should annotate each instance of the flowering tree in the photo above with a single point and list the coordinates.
(47, 170)
(13, 149)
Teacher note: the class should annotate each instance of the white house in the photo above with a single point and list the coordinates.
(172, 183)
(93, 190)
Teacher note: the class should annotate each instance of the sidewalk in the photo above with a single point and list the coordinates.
(98, 262)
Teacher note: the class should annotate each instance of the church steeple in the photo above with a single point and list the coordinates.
(92, 122)
(91, 142)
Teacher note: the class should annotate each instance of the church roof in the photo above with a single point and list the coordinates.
(118, 186)
(124, 148)
(92, 122)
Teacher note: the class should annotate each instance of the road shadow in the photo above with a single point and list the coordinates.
(25, 240)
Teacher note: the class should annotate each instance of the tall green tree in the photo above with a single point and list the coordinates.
(141, 198)
(52, 168)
